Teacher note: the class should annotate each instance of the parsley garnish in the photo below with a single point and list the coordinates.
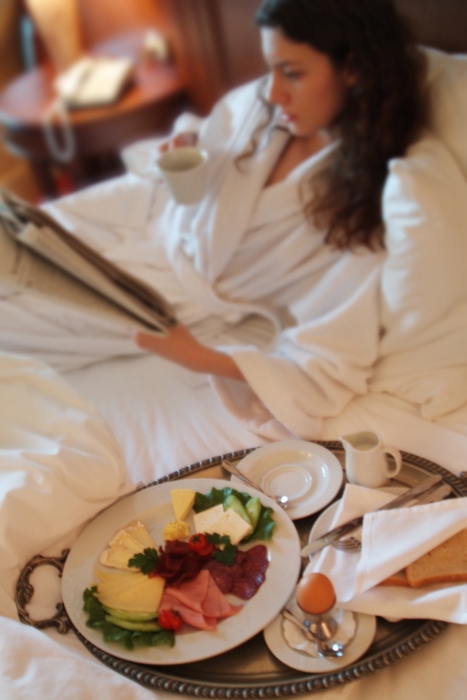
(145, 561)
(227, 554)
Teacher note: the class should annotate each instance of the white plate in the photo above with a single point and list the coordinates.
(308, 474)
(301, 661)
(153, 507)
(323, 522)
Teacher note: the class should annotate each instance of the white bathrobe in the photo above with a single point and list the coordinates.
(245, 249)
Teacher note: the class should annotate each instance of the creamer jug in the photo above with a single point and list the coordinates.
(366, 459)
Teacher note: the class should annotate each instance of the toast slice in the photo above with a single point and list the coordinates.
(446, 563)
(397, 579)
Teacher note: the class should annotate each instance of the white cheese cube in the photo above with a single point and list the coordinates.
(206, 517)
(231, 524)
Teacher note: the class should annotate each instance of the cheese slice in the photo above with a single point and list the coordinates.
(116, 559)
(123, 540)
(107, 577)
(144, 597)
(204, 519)
(121, 584)
(231, 524)
(182, 502)
(138, 531)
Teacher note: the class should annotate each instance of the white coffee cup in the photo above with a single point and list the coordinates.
(366, 462)
(185, 172)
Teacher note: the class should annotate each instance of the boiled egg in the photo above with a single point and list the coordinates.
(315, 594)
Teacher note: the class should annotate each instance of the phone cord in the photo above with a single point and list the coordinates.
(56, 116)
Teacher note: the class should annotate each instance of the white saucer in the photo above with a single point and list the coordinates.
(308, 474)
(301, 661)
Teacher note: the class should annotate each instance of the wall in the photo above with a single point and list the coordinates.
(14, 172)
(102, 19)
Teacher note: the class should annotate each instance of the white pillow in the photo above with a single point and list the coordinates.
(60, 465)
(447, 80)
(423, 352)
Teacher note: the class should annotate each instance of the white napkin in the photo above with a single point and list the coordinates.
(390, 541)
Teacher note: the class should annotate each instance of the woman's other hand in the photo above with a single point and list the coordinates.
(181, 347)
(186, 138)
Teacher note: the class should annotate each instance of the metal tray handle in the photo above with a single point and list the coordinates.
(25, 592)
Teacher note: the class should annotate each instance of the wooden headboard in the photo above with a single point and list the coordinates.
(217, 43)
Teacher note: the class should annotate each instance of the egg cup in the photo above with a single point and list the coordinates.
(322, 627)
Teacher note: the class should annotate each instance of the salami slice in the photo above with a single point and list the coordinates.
(222, 575)
(245, 576)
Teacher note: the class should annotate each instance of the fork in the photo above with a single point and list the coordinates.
(349, 544)
(353, 544)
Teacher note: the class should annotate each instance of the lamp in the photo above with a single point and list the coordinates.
(58, 25)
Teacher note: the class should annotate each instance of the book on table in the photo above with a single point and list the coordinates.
(37, 253)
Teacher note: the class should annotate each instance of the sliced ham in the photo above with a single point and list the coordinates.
(216, 604)
(199, 602)
(191, 617)
(192, 593)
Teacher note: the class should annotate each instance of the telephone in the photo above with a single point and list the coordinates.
(93, 82)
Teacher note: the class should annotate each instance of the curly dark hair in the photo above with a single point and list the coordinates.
(385, 111)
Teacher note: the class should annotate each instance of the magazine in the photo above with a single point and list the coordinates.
(36, 252)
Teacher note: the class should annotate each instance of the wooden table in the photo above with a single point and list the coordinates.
(147, 107)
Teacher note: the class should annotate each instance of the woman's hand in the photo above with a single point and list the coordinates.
(182, 348)
(186, 138)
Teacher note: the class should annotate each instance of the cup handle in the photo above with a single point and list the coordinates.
(392, 469)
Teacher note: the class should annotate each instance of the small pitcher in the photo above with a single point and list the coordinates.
(366, 462)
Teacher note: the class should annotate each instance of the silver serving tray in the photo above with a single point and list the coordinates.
(250, 670)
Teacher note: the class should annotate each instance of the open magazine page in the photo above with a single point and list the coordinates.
(34, 228)
(22, 270)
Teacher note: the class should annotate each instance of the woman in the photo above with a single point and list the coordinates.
(344, 96)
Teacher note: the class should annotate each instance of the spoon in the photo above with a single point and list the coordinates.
(330, 649)
(283, 501)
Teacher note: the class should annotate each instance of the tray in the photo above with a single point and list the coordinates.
(250, 670)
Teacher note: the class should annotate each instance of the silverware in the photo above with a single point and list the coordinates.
(353, 544)
(355, 523)
(323, 648)
(349, 544)
(230, 467)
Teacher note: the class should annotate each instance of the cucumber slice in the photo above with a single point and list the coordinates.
(253, 508)
(233, 503)
(130, 616)
(134, 626)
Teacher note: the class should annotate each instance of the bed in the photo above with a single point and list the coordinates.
(78, 434)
